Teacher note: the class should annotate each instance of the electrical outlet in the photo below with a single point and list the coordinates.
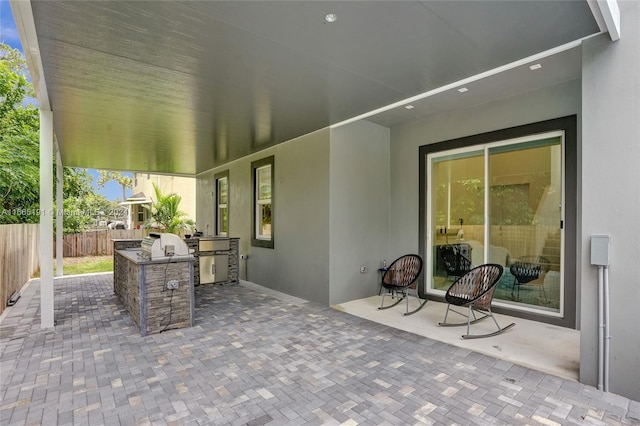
(363, 269)
(172, 284)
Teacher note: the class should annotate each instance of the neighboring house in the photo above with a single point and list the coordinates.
(328, 148)
(144, 193)
(137, 213)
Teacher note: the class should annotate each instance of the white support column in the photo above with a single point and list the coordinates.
(611, 15)
(607, 15)
(59, 215)
(46, 219)
(609, 199)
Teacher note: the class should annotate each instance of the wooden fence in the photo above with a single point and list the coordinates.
(95, 243)
(19, 258)
(20, 252)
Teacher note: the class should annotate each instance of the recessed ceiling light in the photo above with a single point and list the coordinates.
(535, 67)
(409, 106)
(330, 18)
(463, 89)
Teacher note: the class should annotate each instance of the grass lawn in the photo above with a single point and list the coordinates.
(87, 264)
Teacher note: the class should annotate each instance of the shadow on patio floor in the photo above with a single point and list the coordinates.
(552, 349)
(255, 358)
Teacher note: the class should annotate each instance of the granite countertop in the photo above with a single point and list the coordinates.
(210, 238)
(134, 255)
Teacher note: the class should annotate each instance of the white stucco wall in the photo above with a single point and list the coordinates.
(611, 198)
(552, 102)
(298, 265)
(331, 213)
(205, 213)
(359, 209)
(181, 185)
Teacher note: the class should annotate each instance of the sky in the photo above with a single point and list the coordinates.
(9, 35)
(8, 32)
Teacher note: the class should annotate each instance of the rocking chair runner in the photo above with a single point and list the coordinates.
(399, 278)
(474, 290)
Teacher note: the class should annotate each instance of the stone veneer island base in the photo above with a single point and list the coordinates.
(141, 286)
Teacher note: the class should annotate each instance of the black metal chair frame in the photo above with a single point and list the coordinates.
(400, 277)
(474, 290)
(527, 269)
(455, 263)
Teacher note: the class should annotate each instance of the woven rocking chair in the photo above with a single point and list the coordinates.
(529, 270)
(399, 278)
(474, 290)
(455, 263)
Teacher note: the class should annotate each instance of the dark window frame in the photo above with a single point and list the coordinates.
(255, 165)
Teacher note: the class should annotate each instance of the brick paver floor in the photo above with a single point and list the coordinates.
(256, 359)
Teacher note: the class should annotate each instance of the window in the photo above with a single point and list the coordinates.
(519, 216)
(141, 213)
(505, 197)
(262, 173)
(222, 204)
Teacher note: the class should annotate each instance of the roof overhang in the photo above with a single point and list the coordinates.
(607, 15)
(182, 87)
(130, 202)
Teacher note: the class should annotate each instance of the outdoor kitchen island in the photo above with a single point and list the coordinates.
(158, 293)
(216, 260)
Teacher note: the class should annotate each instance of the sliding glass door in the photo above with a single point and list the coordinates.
(516, 223)
(457, 213)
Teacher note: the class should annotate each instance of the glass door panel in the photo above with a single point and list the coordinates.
(523, 209)
(525, 213)
(456, 216)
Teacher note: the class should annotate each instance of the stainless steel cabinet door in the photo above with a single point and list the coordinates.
(214, 269)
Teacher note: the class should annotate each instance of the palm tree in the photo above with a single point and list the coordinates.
(105, 176)
(165, 213)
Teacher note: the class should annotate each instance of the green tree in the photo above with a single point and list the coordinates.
(123, 180)
(166, 214)
(19, 141)
(20, 154)
(79, 202)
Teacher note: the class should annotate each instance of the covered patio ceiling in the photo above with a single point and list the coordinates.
(181, 87)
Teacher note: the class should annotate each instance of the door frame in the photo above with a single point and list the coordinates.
(569, 126)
